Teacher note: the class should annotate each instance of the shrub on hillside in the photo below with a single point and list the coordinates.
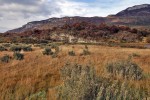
(15, 48)
(18, 56)
(53, 45)
(26, 48)
(5, 58)
(56, 47)
(47, 51)
(2, 48)
(125, 69)
(6, 44)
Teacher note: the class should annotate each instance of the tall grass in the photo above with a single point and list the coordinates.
(125, 69)
(82, 83)
(37, 76)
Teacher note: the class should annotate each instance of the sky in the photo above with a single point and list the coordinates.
(15, 13)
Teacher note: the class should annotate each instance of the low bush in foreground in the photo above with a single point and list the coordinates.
(26, 48)
(6, 44)
(81, 83)
(2, 48)
(18, 56)
(47, 51)
(15, 48)
(5, 58)
(126, 69)
(56, 47)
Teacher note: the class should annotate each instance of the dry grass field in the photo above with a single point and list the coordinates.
(39, 74)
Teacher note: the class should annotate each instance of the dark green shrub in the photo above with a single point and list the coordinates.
(71, 53)
(53, 45)
(5, 58)
(125, 69)
(2, 48)
(54, 55)
(40, 45)
(37, 45)
(26, 48)
(15, 48)
(56, 47)
(47, 51)
(6, 44)
(18, 56)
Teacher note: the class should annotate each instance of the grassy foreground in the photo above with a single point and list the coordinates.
(37, 76)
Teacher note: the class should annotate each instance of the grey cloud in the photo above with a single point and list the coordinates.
(19, 12)
(3, 29)
(26, 2)
(35, 7)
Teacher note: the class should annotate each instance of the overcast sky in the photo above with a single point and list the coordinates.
(15, 13)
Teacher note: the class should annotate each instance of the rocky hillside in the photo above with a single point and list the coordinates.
(138, 10)
(57, 22)
(138, 15)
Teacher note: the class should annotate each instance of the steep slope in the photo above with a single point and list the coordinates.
(138, 10)
(138, 15)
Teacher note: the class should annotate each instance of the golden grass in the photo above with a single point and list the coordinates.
(38, 72)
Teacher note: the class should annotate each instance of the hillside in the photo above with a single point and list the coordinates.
(138, 15)
(82, 32)
(137, 10)
(56, 22)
